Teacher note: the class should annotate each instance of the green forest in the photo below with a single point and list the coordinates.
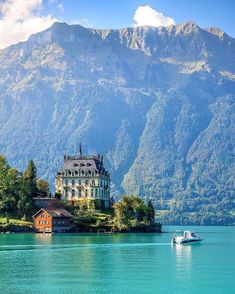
(17, 190)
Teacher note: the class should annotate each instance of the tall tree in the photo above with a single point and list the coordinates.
(31, 171)
(30, 176)
(8, 182)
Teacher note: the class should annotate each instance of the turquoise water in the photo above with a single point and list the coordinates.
(122, 263)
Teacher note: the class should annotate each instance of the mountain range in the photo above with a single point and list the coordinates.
(157, 102)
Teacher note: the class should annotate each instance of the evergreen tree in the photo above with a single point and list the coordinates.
(9, 186)
(31, 171)
(30, 176)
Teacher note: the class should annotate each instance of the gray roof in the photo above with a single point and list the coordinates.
(84, 163)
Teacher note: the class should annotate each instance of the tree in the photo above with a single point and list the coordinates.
(9, 186)
(150, 212)
(31, 171)
(43, 188)
(131, 213)
(25, 204)
(30, 178)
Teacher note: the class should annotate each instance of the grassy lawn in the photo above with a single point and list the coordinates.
(3, 220)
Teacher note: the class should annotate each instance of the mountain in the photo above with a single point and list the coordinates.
(157, 102)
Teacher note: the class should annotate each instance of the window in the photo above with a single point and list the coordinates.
(46, 222)
(79, 193)
(86, 193)
(66, 182)
(93, 182)
(86, 182)
(54, 222)
(73, 193)
(73, 182)
(79, 182)
(66, 193)
(96, 192)
(92, 193)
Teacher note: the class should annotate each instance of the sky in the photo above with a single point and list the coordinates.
(21, 18)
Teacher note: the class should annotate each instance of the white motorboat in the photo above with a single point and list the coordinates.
(185, 237)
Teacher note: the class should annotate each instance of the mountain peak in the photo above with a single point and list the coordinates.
(217, 32)
(187, 27)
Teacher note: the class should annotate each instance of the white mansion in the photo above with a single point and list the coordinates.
(84, 177)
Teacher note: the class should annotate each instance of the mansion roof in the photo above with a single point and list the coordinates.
(83, 164)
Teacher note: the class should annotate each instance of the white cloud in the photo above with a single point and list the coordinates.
(21, 18)
(147, 16)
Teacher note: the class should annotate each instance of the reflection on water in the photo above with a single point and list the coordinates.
(183, 261)
(43, 238)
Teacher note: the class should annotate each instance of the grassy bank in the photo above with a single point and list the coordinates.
(15, 225)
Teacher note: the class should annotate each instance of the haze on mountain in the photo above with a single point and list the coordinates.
(157, 102)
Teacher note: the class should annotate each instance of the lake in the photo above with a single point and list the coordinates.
(119, 263)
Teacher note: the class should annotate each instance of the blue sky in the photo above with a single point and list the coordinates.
(119, 13)
(21, 18)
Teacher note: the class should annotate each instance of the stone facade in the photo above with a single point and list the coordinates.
(84, 177)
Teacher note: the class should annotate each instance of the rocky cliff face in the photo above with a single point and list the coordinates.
(158, 102)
